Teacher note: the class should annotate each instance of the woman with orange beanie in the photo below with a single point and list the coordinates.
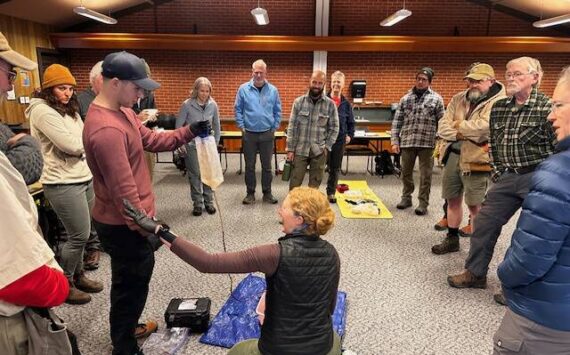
(66, 178)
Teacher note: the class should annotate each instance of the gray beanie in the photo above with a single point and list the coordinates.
(427, 71)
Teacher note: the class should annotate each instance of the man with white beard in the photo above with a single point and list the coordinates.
(465, 129)
(520, 138)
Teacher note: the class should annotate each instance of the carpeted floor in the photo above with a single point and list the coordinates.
(398, 298)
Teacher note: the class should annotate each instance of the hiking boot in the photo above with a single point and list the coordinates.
(500, 299)
(449, 245)
(76, 296)
(91, 259)
(332, 198)
(420, 210)
(466, 231)
(86, 285)
(145, 329)
(197, 211)
(269, 198)
(249, 199)
(467, 280)
(210, 209)
(441, 225)
(405, 203)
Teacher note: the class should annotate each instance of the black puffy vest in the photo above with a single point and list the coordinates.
(299, 298)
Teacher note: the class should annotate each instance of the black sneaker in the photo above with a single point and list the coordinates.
(197, 211)
(405, 203)
(210, 209)
(331, 198)
(269, 199)
(249, 199)
(421, 210)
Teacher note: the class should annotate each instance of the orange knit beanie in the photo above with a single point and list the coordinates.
(57, 74)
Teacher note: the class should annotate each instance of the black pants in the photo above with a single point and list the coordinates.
(132, 262)
(334, 163)
(261, 142)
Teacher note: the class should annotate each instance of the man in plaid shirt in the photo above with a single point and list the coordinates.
(520, 138)
(312, 131)
(413, 136)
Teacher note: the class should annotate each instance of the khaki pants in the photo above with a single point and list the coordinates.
(408, 160)
(249, 347)
(519, 335)
(13, 335)
(316, 170)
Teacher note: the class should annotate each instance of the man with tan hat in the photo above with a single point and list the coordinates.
(465, 129)
(520, 139)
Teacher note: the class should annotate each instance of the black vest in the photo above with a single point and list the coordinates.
(299, 298)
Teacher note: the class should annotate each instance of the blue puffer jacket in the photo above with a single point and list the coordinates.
(345, 119)
(536, 271)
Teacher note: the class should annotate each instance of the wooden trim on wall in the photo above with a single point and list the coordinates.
(420, 44)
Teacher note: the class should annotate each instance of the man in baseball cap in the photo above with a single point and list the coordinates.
(115, 141)
(14, 58)
(126, 66)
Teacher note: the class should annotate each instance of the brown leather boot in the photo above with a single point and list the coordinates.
(441, 225)
(449, 245)
(91, 259)
(86, 285)
(467, 280)
(76, 296)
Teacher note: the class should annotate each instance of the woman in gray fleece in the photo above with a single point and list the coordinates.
(199, 107)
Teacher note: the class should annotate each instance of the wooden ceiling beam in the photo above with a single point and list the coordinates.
(419, 44)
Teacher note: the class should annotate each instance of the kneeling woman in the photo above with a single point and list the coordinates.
(302, 272)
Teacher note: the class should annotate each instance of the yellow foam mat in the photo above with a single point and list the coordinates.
(368, 202)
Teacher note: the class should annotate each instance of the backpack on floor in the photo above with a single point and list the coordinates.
(179, 161)
(384, 164)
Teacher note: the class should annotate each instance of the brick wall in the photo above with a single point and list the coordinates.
(286, 17)
(429, 18)
(389, 75)
(176, 71)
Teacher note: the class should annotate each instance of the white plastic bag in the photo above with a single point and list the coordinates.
(209, 160)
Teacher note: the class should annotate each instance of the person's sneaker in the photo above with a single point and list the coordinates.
(268, 198)
(197, 211)
(441, 225)
(332, 198)
(86, 285)
(145, 329)
(210, 209)
(405, 203)
(420, 210)
(467, 280)
(466, 231)
(76, 296)
(249, 199)
(500, 299)
(91, 259)
(449, 245)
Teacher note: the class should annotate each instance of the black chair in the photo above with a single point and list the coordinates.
(360, 147)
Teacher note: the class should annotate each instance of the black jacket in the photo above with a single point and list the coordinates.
(345, 119)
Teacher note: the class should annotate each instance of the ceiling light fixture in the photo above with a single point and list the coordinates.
(553, 21)
(260, 15)
(396, 17)
(97, 16)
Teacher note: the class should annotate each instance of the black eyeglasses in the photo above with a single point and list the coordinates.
(11, 74)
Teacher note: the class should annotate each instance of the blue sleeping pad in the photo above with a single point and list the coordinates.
(237, 321)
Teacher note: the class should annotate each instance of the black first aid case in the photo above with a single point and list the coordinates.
(193, 313)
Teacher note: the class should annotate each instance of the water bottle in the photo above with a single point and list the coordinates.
(286, 171)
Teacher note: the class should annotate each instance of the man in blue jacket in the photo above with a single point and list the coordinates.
(345, 133)
(535, 274)
(258, 115)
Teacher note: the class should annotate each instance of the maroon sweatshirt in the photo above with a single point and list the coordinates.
(114, 143)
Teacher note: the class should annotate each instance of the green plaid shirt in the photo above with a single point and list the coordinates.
(520, 136)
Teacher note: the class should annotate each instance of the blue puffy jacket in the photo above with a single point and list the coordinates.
(536, 271)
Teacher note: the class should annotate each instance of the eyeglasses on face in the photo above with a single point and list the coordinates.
(515, 75)
(11, 74)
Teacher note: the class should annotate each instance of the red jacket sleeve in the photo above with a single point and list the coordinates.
(43, 287)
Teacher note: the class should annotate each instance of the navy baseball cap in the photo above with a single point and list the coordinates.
(126, 66)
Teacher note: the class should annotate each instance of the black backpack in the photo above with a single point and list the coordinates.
(179, 161)
(384, 164)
